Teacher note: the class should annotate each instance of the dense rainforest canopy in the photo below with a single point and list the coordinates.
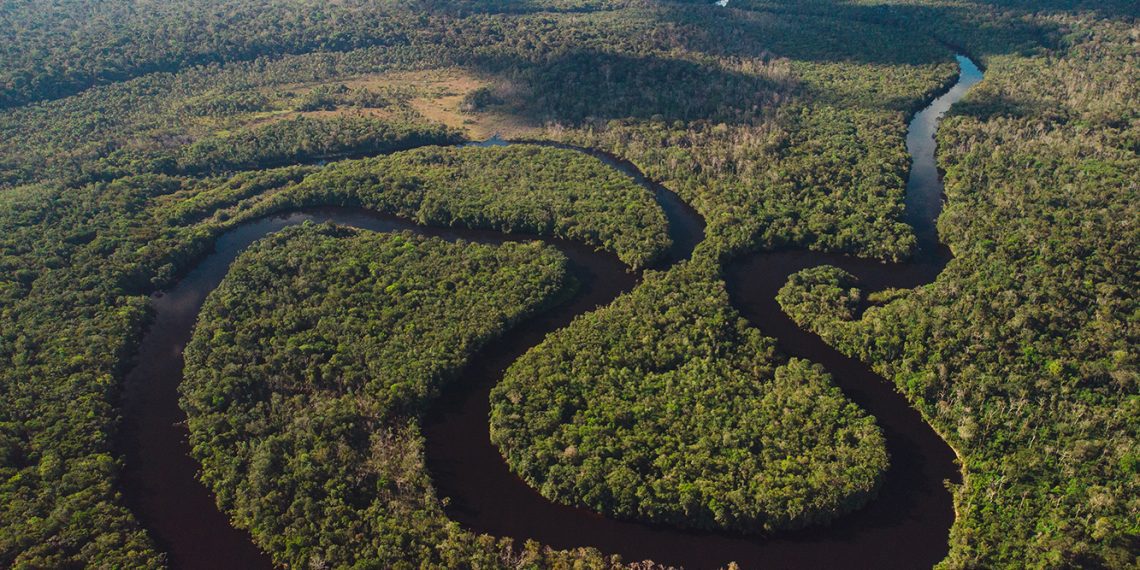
(666, 406)
(307, 370)
(135, 133)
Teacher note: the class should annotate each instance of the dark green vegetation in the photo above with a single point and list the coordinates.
(302, 139)
(1023, 354)
(310, 366)
(76, 258)
(277, 143)
(820, 295)
(815, 157)
(514, 189)
(519, 188)
(684, 417)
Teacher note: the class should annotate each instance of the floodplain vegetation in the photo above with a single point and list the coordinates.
(1023, 352)
(79, 258)
(310, 366)
(520, 188)
(782, 122)
(683, 417)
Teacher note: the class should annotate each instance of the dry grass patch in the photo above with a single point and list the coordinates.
(434, 94)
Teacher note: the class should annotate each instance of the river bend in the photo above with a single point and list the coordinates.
(905, 527)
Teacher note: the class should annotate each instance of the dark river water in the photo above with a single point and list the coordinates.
(905, 527)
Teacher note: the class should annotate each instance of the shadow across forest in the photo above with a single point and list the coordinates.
(987, 105)
(589, 85)
(811, 30)
(895, 33)
(845, 34)
(1104, 8)
(686, 70)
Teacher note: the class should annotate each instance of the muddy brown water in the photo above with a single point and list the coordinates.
(905, 527)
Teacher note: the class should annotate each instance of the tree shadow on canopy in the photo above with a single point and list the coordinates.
(584, 86)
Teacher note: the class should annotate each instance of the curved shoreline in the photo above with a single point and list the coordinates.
(159, 480)
(906, 526)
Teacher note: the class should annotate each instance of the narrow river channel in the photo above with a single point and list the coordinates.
(906, 527)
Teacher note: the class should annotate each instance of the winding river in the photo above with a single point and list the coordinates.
(906, 527)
